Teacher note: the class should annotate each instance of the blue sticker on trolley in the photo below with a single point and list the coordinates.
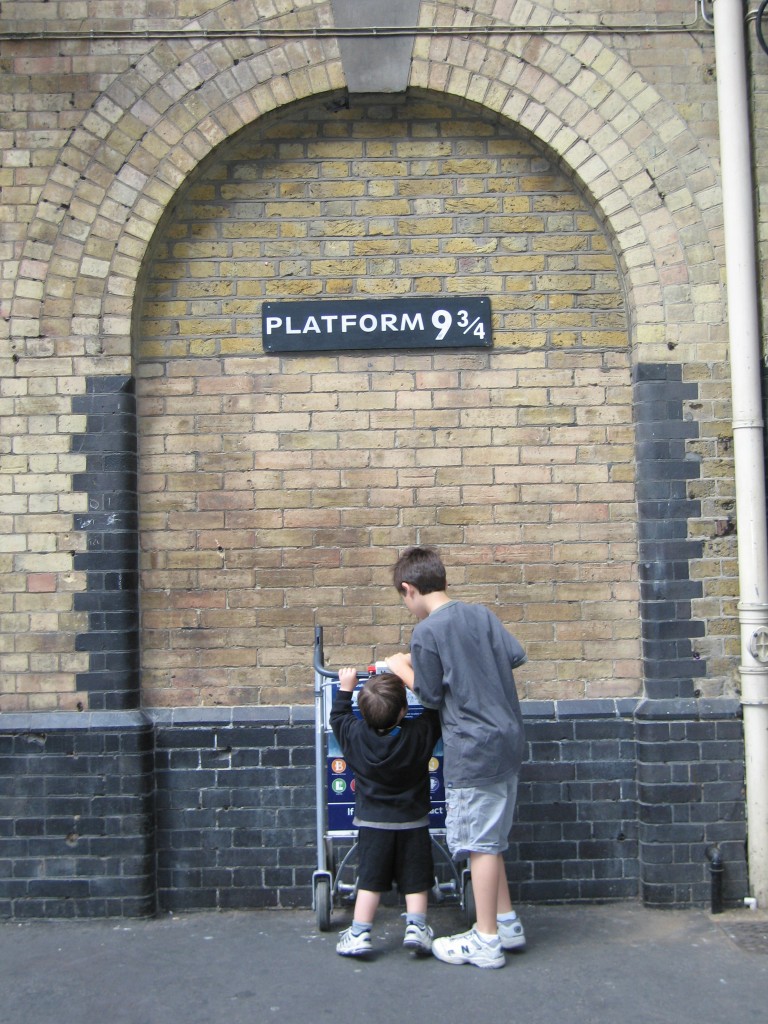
(340, 779)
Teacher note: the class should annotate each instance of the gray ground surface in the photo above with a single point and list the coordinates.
(583, 964)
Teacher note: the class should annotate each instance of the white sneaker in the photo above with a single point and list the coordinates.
(512, 935)
(354, 945)
(418, 940)
(469, 948)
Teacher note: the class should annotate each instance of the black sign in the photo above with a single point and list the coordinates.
(334, 324)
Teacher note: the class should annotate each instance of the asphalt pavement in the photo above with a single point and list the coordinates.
(583, 965)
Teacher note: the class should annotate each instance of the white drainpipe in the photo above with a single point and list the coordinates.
(741, 270)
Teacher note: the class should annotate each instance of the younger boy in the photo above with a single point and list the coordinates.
(462, 662)
(389, 755)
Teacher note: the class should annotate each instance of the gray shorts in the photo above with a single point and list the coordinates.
(479, 819)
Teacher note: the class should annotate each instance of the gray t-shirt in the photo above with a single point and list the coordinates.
(463, 659)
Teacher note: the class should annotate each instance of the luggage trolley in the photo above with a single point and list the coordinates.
(334, 880)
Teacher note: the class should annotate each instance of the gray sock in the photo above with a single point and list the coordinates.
(417, 919)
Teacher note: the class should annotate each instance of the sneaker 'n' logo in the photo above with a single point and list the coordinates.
(465, 950)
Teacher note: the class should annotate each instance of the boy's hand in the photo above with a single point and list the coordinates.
(347, 679)
(400, 664)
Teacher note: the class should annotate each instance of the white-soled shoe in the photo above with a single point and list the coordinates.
(354, 945)
(469, 948)
(418, 940)
(512, 935)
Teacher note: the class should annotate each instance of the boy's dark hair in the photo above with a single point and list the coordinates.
(422, 567)
(381, 701)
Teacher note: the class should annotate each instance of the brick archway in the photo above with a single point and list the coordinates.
(145, 135)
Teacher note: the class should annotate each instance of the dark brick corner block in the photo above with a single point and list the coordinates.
(690, 772)
(110, 563)
(76, 815)
(671, 663)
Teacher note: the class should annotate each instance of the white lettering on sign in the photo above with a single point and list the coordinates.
(412, 324)
(368, 323)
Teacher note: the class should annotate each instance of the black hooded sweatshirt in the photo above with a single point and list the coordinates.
(391, 770)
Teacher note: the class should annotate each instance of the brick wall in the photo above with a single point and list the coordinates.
(579, 476)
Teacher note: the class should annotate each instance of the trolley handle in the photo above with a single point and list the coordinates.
(319, 659)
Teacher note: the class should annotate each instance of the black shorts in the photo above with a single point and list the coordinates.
(395, 855)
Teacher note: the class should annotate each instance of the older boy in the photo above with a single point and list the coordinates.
(389, 755)
(462, 662)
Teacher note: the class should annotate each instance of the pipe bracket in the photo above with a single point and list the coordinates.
(758, 645)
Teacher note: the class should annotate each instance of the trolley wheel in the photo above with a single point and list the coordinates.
(470, 910)
(323, 904)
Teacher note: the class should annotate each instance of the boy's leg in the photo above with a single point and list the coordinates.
(416, 902)
(418, 935)
(372, 854)
(509, 926)
(415, 873)
(479, 820)
(502, 918)
(366, 905)
(487, 870)
(356, 940)
(504, 900)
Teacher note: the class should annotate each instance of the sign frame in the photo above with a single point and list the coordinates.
(400, 322)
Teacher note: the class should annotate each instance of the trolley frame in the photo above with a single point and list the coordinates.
(328, 888)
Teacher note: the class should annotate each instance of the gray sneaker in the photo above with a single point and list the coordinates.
(418, 940)
(469, 948)
(512, 935)
(354, 945)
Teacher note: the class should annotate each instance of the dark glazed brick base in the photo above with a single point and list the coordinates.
(124, 813)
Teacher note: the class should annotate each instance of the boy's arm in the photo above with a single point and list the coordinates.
(341, 709)
(400, 664)
(347, 679)
(430, 683)
(428, 675)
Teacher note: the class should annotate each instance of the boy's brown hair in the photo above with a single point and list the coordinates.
(382, 700)
(422, 567)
